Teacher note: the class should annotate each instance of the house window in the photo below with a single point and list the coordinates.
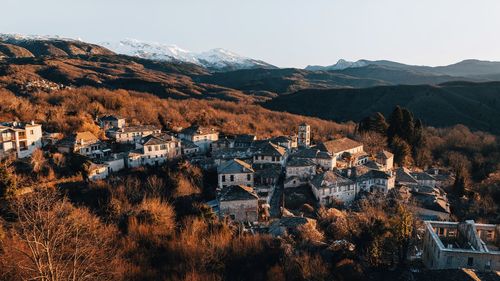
(449, 259)
(150, 148)
(249, 177)
(223, 178)
(231, 178)
(470, 261)
(31, 132)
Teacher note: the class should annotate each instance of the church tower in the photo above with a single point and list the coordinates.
(304, 139)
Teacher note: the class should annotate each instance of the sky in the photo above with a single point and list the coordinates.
(286, 33)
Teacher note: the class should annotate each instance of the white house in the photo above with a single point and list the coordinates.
(154, 150)
(97, 172)
(20, 138)
(329, 187)
(132, 134)
(202, 137)
(235, 172)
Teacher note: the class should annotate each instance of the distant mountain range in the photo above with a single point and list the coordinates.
(215, 59)
(466, 92)
(466, 68)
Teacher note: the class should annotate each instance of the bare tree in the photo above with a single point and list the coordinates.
(53, 240)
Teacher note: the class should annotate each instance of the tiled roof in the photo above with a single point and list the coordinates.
(342, 144)
(244, 138)
(235, 166)
(374, 174)
(421, 176)
(188, 144)
(237, 192)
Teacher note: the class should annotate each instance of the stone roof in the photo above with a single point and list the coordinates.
(374, 165)
(384, 154)
(403, 176)
(285, 224)
(85, 137)
(329, 178)
(235, 166)
(237, 192)
(188, 144)
(156, 139)
(342, 144)
(110, 118)
(17, 125)
(267, 170)
(374, 174)
(271, 149)
(311, 153)
(421, 176)
(300, 162)
(244, 138)
(140, 128)
(197, 130)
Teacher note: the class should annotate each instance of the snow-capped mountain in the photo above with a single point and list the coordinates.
(340, 65)
(215, 59)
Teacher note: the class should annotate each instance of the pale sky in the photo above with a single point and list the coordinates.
(286, 33)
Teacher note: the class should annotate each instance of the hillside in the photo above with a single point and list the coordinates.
(473, 104)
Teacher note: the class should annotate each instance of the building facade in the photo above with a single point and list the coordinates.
(453, 245)
(304, 136)
(20, 138)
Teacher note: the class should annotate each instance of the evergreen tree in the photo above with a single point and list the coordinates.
(395, 124)
(408, 127)
(401, 150)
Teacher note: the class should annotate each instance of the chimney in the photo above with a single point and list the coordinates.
(32, 122)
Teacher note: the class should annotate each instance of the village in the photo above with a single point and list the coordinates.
(272, 185)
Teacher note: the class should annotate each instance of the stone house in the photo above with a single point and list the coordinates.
(235, 172)
(83, 143)
(428, 203)
(239, 202)
(301, 168)
(338, 147)
(321, 158)
(375, 180)
(189, 148)
(328, 187)
(200, 136)
(288, 142)
(20, 138)
(154, 150)
(111, 121)
(132, 134)
(424, 179)
(270, 153)
(454, 245)
(386, 159)
(243, 141)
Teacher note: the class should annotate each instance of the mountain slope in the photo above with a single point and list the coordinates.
(216, 59)
(473, 104)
